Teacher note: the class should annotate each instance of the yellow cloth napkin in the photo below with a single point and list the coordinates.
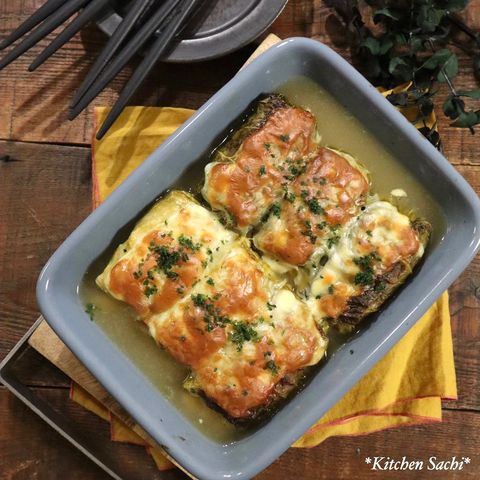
(404, 388)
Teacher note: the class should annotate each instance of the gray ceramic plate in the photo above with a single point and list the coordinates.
(221, 27)
(445, 259)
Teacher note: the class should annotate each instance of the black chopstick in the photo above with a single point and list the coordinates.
(123, 29)
(51, 23)
(41, 14)
(132, 47)
(87, 14)
(154, 53)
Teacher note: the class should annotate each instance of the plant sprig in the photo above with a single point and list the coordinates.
(394, 42)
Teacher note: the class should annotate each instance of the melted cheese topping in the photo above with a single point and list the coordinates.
(247, 187)
(371, 244)
(166, 253)
(240, 332)
(317, 203)
(215, 305)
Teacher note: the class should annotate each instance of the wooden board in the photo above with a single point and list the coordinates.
(46, 342)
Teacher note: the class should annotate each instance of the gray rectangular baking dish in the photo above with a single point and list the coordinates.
(445, 259)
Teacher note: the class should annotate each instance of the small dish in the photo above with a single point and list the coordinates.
(221, 27)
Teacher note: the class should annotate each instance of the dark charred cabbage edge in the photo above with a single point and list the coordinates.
(381, 287)
(264, 109)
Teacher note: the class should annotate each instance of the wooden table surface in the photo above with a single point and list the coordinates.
(45, 192)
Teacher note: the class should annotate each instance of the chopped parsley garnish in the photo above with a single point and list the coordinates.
(321, 225)
(212, 315)
(322, 181)
(272, 366)
(304, 194)
(188, 243)
(289, 196)
(90, 310)
(165, 258)
(271, 306)
(150, 290)
(267, 146)
(210, 281)
(243, 332)
(369, 233)
(366, 261)
(262, 171)
(333, 241)
(363, 278)
(296, 170)
(331, 289)
(366, 275)
(275, 209)
(308, 232)
(315, 207)
(380, 286)
(200, 300)
(285, 137)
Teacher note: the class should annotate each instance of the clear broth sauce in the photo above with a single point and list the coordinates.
(338, 129)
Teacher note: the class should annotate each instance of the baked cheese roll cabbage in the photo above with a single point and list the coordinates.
(250, 169)
(374, 256)
(245, 337)
(166, 253)
(327, 191)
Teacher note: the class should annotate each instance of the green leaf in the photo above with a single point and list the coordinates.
(400, 68)
(439, 58)
(385, 45)
(470, 94)
(384, 12)
(455, 5)
(429, 18)
(415, 43)
(400, 39)
(453, 107)
(466, 120)
(450, 67)
(372, 44)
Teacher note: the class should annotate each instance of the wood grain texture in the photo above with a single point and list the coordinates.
(45, 341)
(32, 451)
(45, 194)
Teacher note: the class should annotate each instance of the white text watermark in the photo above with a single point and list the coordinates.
(432, 463)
